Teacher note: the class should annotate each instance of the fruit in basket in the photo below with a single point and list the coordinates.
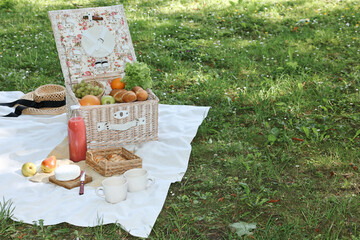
(107, 99)
(117, 83)
(49, 164)
(137, 74)
(28, 169)
(89, 100)
(141, 94)
(84, 88)
(123, 96)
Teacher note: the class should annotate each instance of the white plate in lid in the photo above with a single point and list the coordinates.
(98, 41)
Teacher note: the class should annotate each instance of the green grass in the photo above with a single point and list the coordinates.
(280, 145)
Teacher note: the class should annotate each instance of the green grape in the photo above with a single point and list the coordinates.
(84, 88)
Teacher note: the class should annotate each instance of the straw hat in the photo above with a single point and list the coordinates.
(49, 92)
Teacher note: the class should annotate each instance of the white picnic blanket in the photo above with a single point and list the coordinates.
(31, 138)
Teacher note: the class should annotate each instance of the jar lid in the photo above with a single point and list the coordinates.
(74, 107)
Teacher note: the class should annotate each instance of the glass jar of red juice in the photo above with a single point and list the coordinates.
(77, 135)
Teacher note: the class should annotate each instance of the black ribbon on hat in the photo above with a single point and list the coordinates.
(24, 103)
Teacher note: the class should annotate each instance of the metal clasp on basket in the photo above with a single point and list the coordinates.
(121, 114)
(90, 17)
(120, 127)
(140, 121)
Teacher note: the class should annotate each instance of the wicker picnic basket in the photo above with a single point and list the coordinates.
(94, 44)
(112, 161)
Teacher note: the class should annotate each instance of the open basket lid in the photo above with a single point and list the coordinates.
(92, 42)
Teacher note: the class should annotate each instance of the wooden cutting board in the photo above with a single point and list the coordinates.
(70, 184)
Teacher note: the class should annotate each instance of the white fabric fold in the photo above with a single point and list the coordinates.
(31, 138)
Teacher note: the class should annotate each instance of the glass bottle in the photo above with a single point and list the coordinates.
(77, 135)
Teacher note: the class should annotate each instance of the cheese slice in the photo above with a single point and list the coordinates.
(67, 172)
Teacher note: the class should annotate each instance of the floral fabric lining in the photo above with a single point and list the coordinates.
(71, 25)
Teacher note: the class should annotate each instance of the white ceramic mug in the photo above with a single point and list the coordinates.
(138, 179)
(113, 189)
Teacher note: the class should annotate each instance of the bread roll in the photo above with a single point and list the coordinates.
(99, 158)
(141, 94)
(115, 157)
(124, 96)
(137, 88)
(116, 90)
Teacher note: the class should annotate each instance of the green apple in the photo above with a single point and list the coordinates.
(28, 169)
(107, 99)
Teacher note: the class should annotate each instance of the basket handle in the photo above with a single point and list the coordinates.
(120, 127)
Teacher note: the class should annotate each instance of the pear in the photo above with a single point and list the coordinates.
(49, 164)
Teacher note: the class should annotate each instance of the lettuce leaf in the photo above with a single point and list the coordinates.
(137, 74)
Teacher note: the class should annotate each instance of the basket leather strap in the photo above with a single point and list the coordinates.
(24, 103)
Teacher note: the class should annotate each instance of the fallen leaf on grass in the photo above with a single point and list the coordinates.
(353, 166)
(220, 199)
(297, 139)
(21, 236)
(347, 175)
(243, 228)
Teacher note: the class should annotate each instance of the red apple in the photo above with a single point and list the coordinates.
(49, 164)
